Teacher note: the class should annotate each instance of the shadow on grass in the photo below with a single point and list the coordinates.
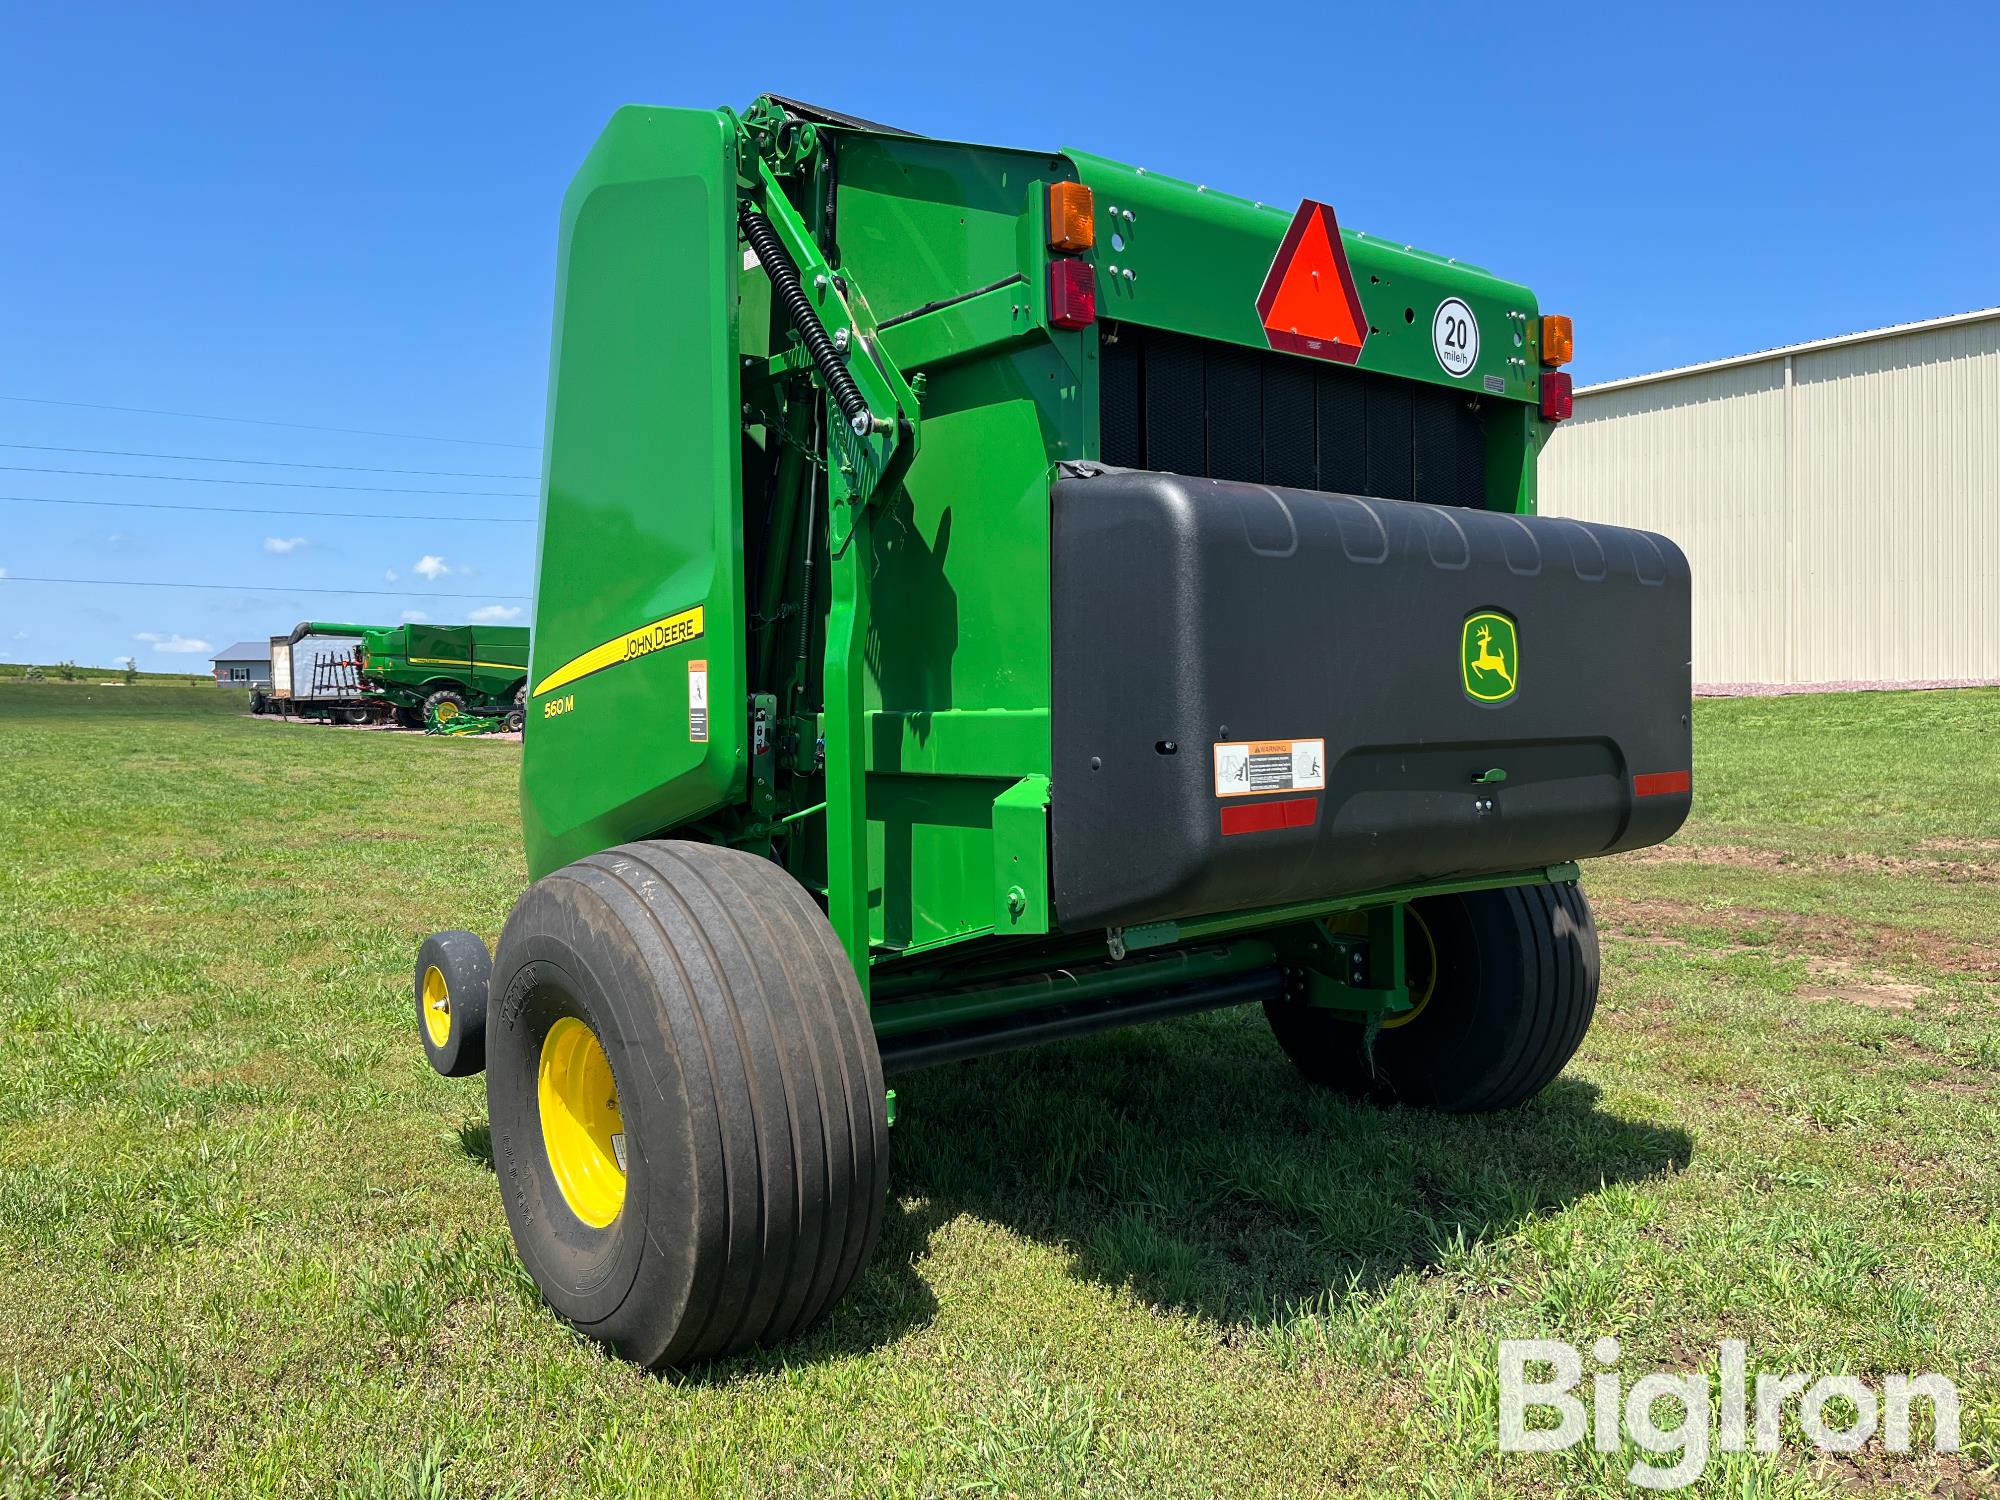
(1190, 1163)
(475, 1139)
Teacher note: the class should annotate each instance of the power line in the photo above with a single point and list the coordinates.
(267, 463)
(202, 416)
(280, 484)
(259, 510)
(247, 588)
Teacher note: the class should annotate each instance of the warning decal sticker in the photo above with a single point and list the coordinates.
(1246, 767)
(697, 700)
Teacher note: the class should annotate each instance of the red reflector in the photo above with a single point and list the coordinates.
(1557, 402)
(1072, 294)
(1262, 817)
(1661, 783)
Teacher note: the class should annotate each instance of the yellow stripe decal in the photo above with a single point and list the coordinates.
(459, 661)
(674, 630)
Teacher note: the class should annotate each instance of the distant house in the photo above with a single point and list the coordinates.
(247, 664)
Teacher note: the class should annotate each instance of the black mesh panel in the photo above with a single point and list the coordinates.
(1235, 414)
(1391, 470)
(1219, 411)
(1176, 430)
(1343, 433)
(1434, 440)
(1290, 426)
(1121, 433)
(1471, 487)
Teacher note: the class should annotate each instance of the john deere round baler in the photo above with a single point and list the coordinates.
(991, 596)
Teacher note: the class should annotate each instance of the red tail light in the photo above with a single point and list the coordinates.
(1557, 401)
(1072, 294)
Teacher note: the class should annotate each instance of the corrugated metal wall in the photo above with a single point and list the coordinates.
(1840, 506)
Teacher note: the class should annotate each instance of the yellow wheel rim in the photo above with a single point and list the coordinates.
(446, 711)
(437, 1007)
(582, 1129)
(1420, 967)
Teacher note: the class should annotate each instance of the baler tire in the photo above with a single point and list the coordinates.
(746, 1096)
(516, 721)
(1515, 989)
(455, 969)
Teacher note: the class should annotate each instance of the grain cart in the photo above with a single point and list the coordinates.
(988, 596)
(424, 670)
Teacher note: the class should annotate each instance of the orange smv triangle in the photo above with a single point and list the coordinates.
(1309, 304)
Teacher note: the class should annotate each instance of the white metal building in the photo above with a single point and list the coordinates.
(1839, 501)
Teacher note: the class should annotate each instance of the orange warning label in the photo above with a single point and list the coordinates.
(697, 700)
(1246, 767)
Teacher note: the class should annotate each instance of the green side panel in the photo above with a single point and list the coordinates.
(1198, 260)
(932, 219)
(957, 658)
(445, 649)
(641, 497)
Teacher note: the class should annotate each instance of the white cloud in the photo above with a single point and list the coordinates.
(494, 614)
(20, 635)
(177, 643)
(390, 575)
(414, 617)
(430, 566)
(283, 543)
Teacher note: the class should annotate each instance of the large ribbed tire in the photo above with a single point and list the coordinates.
(730, 1189)
(1513, 986)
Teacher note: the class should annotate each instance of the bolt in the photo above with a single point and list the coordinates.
(1017, 901)
(841, 339)
(1128, 274)
(819, 283)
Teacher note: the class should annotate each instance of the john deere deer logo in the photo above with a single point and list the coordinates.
(1489, 657)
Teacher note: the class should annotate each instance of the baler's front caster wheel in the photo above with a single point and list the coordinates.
(1504, 984)
(686, 1101)
(453, 973)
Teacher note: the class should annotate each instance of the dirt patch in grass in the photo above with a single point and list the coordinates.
(1838, 980)
(1782, 861)
(1648, 918)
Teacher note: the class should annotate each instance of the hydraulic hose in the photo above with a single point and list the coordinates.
(791, 294)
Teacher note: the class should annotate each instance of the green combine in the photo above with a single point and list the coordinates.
(426, 674)
(991, 596)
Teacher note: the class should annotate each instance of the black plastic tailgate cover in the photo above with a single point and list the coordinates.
(1271, 695)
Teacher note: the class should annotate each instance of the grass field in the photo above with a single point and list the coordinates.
(249, 1244)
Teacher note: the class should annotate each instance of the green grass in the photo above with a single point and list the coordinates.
(249, 1244)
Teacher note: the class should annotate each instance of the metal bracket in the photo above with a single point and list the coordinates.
(1364, 974)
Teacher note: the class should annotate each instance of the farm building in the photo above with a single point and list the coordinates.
(1839, 501)
(247, 664)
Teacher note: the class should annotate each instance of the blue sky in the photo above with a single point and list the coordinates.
(344, 217)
